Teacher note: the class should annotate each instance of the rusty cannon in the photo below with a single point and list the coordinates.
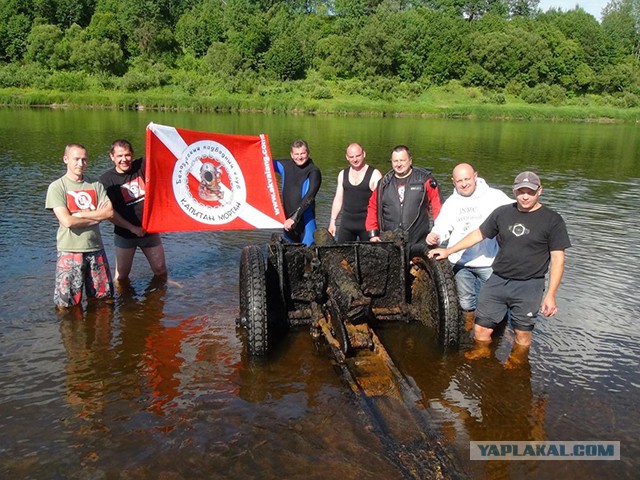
(343, 291)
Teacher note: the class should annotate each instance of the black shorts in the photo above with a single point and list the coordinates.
(500, 295)
(149, 240)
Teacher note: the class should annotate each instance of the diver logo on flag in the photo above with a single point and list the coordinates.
(206, 181)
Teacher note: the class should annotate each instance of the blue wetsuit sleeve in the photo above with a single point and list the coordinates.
(309, 227)
(278, 167)
(310, 190)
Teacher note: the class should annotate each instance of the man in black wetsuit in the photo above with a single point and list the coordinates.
(301, 181)
(355, 184)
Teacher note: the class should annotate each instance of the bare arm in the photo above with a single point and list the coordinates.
(556, 269)
(337, 204)
(469, 241)
(85, 218)
(376, 176)
(121, 222)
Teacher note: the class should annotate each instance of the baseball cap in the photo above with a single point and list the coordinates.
(527, 180)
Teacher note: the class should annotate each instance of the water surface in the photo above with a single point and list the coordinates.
(157, 385)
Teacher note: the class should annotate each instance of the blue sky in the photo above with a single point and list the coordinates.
(594, 7)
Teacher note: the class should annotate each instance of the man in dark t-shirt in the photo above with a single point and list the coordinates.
(125, 184)
(532, 240)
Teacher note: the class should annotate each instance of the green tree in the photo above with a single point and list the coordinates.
(476, 9)
(199, 27)
(618, 78)
(621, 24)
(246, 32)
(307, 29)
(105, 26)
(223, 60)
(515, 54)
(41, 45)
(378, 46)
(522, 8)
(285, 58)
(355, 8)
(582, 27)
(13, 37)
(148, 25)
(44, 10)
(68, 12)
(335, 56)
(96, 56)
(433, 45)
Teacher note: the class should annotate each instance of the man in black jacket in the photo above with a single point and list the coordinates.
(403, 199)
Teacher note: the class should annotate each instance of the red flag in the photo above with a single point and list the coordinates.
(208, 181)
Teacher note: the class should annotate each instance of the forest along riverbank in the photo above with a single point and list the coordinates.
(439, 103)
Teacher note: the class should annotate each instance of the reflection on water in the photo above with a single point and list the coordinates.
(156, 384)
(473, 400)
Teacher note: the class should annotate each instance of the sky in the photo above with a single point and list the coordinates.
(594, 7)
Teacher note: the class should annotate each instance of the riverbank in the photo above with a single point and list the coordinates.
(441, 102)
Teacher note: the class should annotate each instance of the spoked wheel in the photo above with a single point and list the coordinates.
(253, 300)
(434, 299)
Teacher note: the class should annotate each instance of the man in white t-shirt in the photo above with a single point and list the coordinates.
(471, 202)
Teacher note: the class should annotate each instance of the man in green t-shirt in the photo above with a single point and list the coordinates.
(79, 205)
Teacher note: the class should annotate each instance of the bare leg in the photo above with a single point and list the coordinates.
(482, 334)
(481, 343)
(124, 260)
(157, 262)
(523, 337)
(479, 350)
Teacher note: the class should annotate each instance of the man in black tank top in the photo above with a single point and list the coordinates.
(354, 187)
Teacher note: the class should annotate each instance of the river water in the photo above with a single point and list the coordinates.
(157, 385)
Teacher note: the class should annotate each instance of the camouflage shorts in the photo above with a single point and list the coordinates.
(77, 270)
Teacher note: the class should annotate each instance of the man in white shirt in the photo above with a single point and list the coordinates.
(470, 204)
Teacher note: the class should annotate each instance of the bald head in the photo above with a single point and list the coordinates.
(356, 156)
(464, 179)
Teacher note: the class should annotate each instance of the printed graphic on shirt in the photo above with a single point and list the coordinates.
(133, 191)
(401, 193)
(518, 230)
(82, 200)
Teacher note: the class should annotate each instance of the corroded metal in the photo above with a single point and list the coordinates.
(340, 290)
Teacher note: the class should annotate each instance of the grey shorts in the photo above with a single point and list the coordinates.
(522, 298)
(150, 240)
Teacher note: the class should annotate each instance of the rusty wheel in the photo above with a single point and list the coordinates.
(434, 299)
(253, 300)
